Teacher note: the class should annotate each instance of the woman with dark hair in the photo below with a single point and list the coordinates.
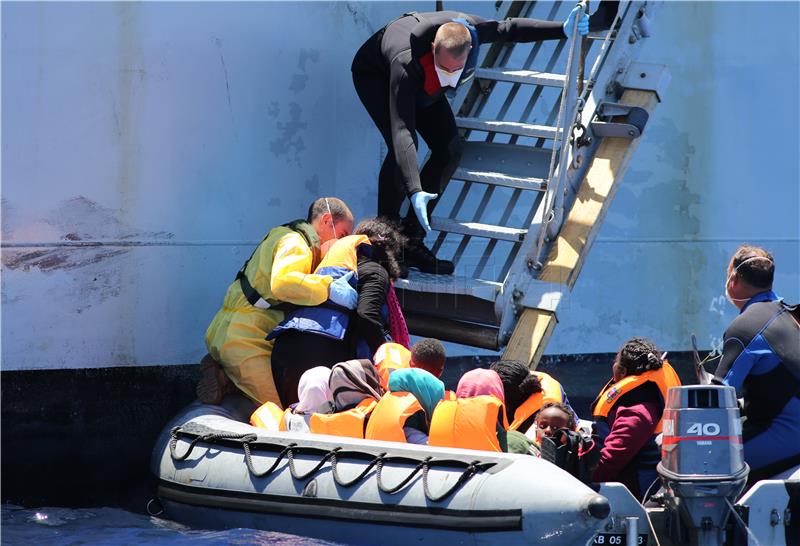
(627, 415)
(526, 392)
(327, 334)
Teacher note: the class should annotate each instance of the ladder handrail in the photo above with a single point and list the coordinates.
(554, 212)
(567, 111)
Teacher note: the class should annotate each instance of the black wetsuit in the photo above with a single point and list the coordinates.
(761, 359)
(394, 78)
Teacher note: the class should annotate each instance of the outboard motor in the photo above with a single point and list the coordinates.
(702, 464)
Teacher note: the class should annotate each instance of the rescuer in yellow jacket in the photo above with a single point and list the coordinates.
(278, 273)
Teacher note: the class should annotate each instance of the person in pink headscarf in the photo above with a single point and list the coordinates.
(481, 382)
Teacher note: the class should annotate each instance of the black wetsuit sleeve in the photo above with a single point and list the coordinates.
(373, 288)
(732, 347)
(518, 30)
(403, 89)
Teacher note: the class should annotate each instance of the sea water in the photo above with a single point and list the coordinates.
(112, 527)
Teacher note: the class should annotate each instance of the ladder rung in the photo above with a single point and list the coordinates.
(507, 127)
(475, 229)
(601, 35)
(500, 179)
(530, 77)
(513, 161)
(449, 284)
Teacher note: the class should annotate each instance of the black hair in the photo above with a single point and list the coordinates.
(518, 382)
(387, 242)
(755, 266)
(572, 422)
(338, 209)
(639, 355)
(429, 352)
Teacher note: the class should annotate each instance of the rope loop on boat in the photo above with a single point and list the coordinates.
(338, 479)
(208, 437)
(422, 464)
(248, 459)
(329, 455)
(288, 452)
(471, 469)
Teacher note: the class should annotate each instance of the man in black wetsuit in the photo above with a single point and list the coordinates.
(401, 75)
(761, 359)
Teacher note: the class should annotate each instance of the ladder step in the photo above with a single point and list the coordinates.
(475, 229)
(449, 284)
(509, 165)
(501, 179)
(530, 77)
(507, 127)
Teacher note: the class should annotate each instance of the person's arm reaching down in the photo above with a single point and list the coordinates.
(402, 118)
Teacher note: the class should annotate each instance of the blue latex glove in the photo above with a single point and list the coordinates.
(419, 202)
(583, 22)
(341, 293)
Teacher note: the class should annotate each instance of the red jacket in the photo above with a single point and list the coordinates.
(632, 421)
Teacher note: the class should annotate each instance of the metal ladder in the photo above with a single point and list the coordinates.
(505, 206)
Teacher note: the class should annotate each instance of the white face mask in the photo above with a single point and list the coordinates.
(447, 79)
(333, 223)
(730, 298)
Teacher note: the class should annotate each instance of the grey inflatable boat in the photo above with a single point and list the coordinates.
(214, 471)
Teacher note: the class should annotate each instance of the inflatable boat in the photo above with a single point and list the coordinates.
(215, 471)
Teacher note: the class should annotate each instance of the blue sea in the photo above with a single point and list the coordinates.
(112, 527)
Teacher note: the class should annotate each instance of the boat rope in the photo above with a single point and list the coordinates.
(209, 437)
(320, 464)
(404, 482)
(249, 442)
(471, 469)
(248, 459)
(337, 478)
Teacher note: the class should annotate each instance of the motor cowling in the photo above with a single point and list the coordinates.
(702, 464)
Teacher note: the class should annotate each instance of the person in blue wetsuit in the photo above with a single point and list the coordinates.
(761, 359)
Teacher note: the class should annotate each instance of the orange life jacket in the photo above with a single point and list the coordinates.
(390, 416)
(389, 357)
(551, 392)
(665, 377)
(269, 412)
(467, 423)
(328, 319)
(349, 423)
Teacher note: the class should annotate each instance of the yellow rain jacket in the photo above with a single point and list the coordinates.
(280, 271)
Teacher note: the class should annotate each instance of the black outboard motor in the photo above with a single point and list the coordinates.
(702, 464)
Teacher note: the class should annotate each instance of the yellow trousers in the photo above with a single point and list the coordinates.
(235, 339)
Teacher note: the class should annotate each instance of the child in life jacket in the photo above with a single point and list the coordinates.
(559, 441)
(552, 417)
(427, 354)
